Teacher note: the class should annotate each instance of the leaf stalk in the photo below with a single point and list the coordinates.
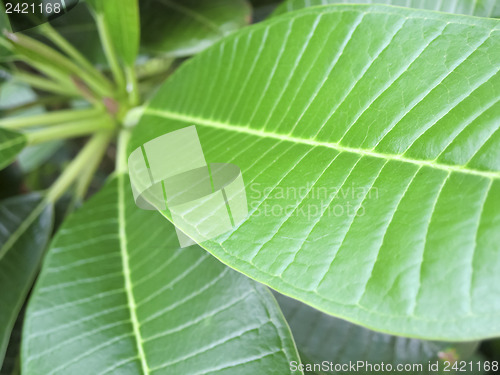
(109, 51)
(75, 129)
(95, 146)
(51, 118)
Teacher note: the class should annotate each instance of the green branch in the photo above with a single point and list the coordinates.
(35, 51)
(61, 78)
(72, 52)
(45, 84)
(51, 118)
(95, 145)
(85, 178)
(121, 151)
(109, 51)
(132, 86)
(75, 129)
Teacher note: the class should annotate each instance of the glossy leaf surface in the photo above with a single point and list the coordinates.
(121, 18)
(182, 28)
(11, 144)
(117, 296)
(479, 8)
(368, 139)
(320, 337)
(22, 243)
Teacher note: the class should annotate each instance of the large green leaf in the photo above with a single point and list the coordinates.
(183, 28)
(320, 337)
(368, 139)
(26, 240)
(11, 363)
(11, 144)
(480, 8)
(117, 295)
(121, 18)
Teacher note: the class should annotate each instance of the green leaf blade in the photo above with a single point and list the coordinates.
(11, 144)
(177, 29)
(333, 99)
(122, 21)
(20, 262)
(478, 8)
(320, 337)
(81, 31)
(118, 295)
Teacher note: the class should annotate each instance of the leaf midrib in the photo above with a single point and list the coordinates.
(336, 146)
(23, 226)
(127, 275)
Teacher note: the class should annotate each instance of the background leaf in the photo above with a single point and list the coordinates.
(320, 337)
(13, 96)
(19, 264)
(117, 295)
(34, 156)
(479, 8)
(368, 139)
(122, 20)
(11, 144)
(183, 28)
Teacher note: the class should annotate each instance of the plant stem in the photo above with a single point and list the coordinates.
(51, 118)
(33, 50)
(109, 51)
(85, 178)
(71, 51)
(121, 151)
(5, 44)
(76, 129)
(132, 87)
(62, 79)
(98, 142)
(46, 84)
(94, 146)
